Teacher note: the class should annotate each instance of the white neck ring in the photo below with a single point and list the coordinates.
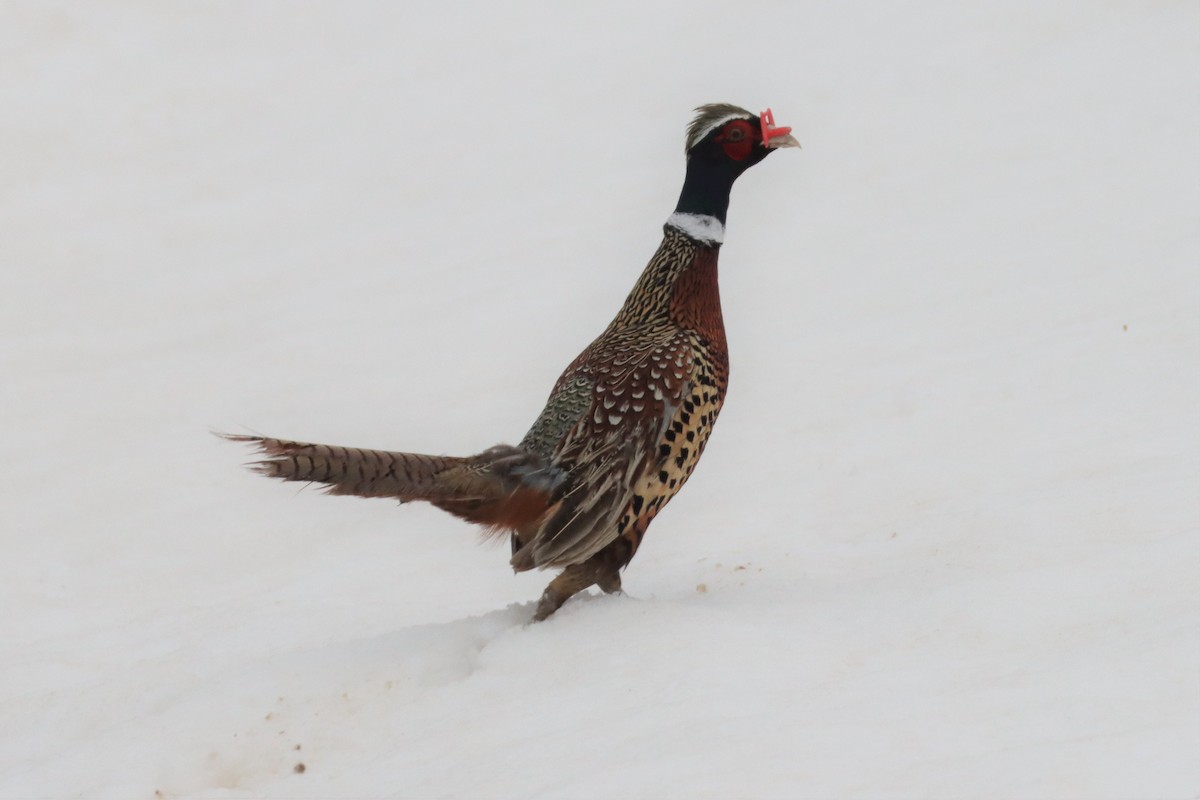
(701, 227)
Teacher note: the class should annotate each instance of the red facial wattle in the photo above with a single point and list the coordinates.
(737, 139)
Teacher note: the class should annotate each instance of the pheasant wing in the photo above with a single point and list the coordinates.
(636, 389)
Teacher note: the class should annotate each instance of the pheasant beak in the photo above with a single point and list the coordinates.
(775, 137)
(782, 140)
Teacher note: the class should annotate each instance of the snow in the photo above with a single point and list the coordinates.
(945, 541)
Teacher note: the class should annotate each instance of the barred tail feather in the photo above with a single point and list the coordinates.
(503, 488)
(351, 470)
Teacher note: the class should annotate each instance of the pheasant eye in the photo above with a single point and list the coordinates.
(736, 140)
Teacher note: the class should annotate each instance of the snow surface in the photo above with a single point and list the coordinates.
(945, 542)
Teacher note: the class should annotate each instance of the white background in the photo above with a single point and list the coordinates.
(944, 543)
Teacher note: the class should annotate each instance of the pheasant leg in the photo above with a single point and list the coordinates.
(572, 580)
(603, 569)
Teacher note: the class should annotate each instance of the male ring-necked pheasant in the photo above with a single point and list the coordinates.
(625, 423)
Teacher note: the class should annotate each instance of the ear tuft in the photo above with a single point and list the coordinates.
(711, 116)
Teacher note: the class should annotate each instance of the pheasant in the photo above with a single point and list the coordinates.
(624, 425)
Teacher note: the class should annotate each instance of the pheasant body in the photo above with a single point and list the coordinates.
(625, 423)
(650, 388)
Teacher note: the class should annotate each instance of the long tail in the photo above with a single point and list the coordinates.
(350, 470)
(503, 487)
